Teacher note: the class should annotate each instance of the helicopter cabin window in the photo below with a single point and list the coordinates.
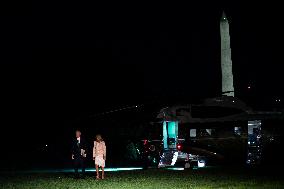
(192, 133)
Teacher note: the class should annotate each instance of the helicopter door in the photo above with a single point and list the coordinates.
(170, 134)
(254, 142)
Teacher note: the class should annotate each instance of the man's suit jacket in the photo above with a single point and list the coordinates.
(76, 147)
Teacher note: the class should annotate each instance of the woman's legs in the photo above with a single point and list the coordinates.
(103, 172)
(98, 173)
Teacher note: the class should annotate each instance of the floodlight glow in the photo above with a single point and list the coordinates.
(175, 168)
(174, 158)
(87, 170)
(201, 164)
(116, 169)
(165, 135)
(172, 129)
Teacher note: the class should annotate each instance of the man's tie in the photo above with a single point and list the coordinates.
(78, 143)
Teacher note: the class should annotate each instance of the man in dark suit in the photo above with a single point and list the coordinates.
(79, 154)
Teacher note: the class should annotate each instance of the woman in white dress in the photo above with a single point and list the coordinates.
(99, 155)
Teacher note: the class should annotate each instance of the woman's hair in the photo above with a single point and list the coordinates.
(99, 137)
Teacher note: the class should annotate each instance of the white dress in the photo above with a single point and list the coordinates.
(99, 152)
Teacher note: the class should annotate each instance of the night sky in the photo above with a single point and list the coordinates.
(85, 58)
(82, 59)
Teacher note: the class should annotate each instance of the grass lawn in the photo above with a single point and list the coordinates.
(152, 178)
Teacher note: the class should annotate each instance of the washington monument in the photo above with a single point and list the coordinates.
(226, 61)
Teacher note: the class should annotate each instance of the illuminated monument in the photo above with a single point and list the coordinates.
(226, 61)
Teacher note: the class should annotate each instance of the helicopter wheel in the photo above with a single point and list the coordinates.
(187, 165)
